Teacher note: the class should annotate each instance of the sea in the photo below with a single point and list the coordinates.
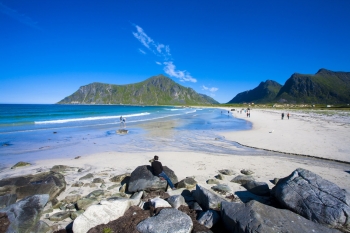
(30, 132)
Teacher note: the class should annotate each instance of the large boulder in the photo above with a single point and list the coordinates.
(7, 200)
(257, 188)
(25, 214)
(255, 217)
(43, 183)
(103, 213)
(315, 198)
(168, 220)
(142, 178)
(207, 199)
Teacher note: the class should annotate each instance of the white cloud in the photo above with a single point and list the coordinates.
(142, 37)
(211, 89)
(141, 51)
(184, 76)
(163, 51)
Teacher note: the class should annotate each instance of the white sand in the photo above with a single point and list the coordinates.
(303, 135)
(324, 134)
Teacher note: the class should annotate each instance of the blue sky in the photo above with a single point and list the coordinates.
(48, 49)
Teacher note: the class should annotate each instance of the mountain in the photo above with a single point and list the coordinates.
(157, 90)
(264, 93)
(324, 87)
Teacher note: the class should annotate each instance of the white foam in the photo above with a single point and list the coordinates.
(89, 119)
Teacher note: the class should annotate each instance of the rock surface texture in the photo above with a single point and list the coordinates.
(257, 188)
(142, 178)
(103, 213)
(168, 220)
(315, 198)
(254, 217)
(43, 183)
(24, 215)
(207, 199)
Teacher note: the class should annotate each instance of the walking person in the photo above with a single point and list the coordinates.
(158, 171)
(288, 115)
(121, 121)
(282, 115)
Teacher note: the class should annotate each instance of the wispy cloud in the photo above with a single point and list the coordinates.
(211, 89)
(18, 16)
(184, 76)
(163, 51)
(141, 51)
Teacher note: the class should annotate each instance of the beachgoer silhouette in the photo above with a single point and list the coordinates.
(288, 115)
(158, 171)
(121, 121)
(282, 115)
(124, 122)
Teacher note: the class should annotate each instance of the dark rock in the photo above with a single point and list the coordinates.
(43, 183)
(207, 199)
(98, 180)
(240, 179)
(78, 184)
(314, 198)
(227, 172)
(20, 164)
(208, 218)
(168, 220)
(87, 176)
(122, 131)
(142, 178)
(25, 214)
(7, 200)
(256, 217)
(247, 172)
(258, 188)
(81, 169)
(59, 216)
(188, 183)
(62, 168)
(195, 206)
(119, 178)
(220, 177)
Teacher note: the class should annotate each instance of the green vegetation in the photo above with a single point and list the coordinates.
(157, 90)
(107, 230)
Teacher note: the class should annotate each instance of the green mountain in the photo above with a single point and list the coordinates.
(264, 93)
(324, 87)
(157, 90)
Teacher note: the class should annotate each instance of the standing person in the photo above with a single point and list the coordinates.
(158, 171)
(121, 121)
(288, 115)
(247, 113)
(282, 115)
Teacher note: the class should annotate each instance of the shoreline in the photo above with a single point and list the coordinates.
(307, 133)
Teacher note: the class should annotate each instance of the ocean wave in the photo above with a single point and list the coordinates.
(89, 119)
(175, 109)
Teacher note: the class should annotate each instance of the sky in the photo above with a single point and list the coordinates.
(48, 49)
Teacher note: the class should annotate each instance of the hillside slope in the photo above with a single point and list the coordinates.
(157, 90)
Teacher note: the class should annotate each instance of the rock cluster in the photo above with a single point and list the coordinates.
(311, 204)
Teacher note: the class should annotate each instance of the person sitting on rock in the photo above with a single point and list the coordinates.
(158, 171)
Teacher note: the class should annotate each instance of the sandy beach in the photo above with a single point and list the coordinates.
(321, 136)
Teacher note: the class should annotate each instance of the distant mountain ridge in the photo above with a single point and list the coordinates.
(323, 87)
(265, 92)
(157, 90)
